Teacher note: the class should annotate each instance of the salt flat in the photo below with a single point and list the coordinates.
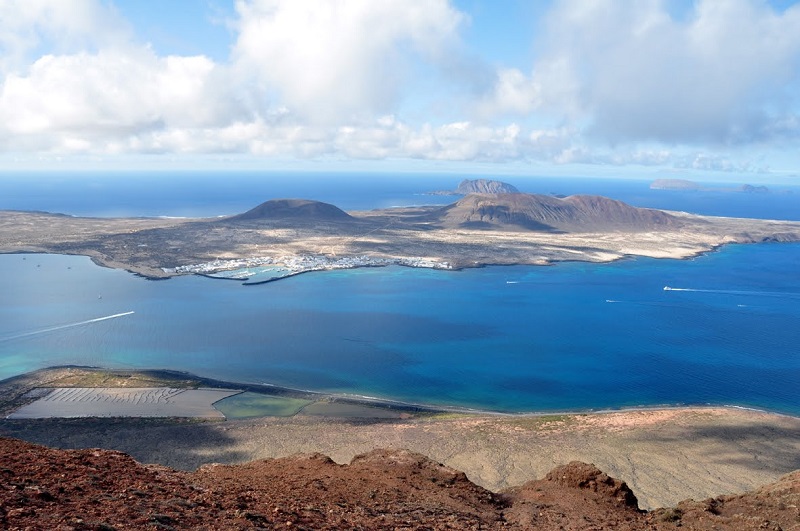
(665, 455)
(66, 402)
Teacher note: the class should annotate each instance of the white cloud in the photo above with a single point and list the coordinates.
(97, 90)
(334, 60)
(514, 93)
(629, 72)
(551, 91)
(616, 82)
(61, 27)
(112, 95)
(382, 138)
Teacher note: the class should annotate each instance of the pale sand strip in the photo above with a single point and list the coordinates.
(75, 402)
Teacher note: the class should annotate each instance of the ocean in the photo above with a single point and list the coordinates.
(207, 194)
(572, 336)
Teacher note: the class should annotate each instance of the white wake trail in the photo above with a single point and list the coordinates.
(736, 292)
(62, 327)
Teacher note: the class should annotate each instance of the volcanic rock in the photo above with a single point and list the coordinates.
(42, 488)
(485, 186)
(577, 213)
(278, 209)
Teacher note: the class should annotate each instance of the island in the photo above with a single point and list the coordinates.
(479, 186)
(664, 455)
(691, 186)
(285, 237)
(674, 184)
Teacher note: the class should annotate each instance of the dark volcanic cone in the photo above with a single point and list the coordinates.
(277, 209)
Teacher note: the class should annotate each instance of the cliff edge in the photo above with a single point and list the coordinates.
(42, 488)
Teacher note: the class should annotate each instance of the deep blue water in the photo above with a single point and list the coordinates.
(506, 338)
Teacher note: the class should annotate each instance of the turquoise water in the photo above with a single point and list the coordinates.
(503, 338)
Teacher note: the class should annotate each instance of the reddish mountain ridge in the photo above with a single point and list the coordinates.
(42, 488)
(576, 213)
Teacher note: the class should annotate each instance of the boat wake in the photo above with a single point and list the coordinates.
(736, 292)
(64, 326)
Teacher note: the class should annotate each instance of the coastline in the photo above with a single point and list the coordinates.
(14, 388)
(148, 274)
(666, 454)
(470, 395)
(158, 248)
(50, 376)
(161, 274)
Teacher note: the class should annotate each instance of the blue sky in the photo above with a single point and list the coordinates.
(635, 88)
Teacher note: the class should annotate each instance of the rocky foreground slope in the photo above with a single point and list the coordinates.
(42, 488)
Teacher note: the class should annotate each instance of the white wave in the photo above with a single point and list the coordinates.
(64, 326)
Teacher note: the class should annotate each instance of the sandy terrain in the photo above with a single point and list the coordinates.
(664, 455)
(148, 246)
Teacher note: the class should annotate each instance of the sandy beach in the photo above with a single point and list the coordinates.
(665, 455)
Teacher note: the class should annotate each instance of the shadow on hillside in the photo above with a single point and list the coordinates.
(181, 444)
(756, 446)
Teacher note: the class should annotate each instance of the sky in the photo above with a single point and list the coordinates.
(704, 89)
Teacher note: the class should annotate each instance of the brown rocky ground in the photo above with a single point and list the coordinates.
(664, 455)
(42, 488)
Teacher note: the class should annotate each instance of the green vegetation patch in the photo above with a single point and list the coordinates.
(249, 405)
(111, 378)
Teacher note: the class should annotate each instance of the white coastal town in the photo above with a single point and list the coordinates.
(240, 268)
